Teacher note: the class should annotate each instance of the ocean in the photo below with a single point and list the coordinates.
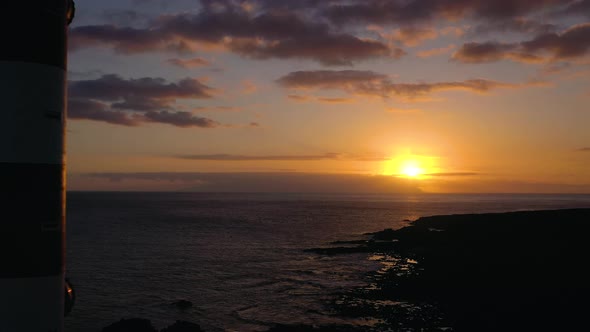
(239, 258)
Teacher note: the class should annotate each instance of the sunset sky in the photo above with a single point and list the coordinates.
(330, 95)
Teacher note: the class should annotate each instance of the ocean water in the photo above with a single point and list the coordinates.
(239, 258)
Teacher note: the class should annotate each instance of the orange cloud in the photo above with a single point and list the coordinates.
(408, 36)
(248, 87)
(335, 100)
(298, 98)
(413, 36)
(455, 31)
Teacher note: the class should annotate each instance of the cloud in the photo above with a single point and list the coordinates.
(114, 87)
(586, 149)
(248, 87)
(292, 182)
(189, 63)
(123, 16)
(80, 109)
(124, 40)
(180, 119)
(369, 83)
(571, 43)
(217, 109)
(212, 25)
(516, 24)
(328, 78)
(435, 51)
(417, 11)
(581, 7)
(232, 157)
(84, 74)
(501, 9)
(292, 5)
(492, 52)
(284, 182)
(140, 104)
(298, 98)
(372, 11)
(412, 35)
(272, 34)
(308, 157)
(456, 31)
(335, 100)
(452, 174)
(142, 2)
(473, 85)
(482, 52)
(323, 31)
(130, 102)
(329, 50)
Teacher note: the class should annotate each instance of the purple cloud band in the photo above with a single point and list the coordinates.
(571, 43)
(131, 102)
(375, 84)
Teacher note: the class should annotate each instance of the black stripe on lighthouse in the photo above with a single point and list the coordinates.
(32, 242)
(34, 31)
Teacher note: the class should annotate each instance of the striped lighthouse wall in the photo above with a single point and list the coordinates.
(32, 165)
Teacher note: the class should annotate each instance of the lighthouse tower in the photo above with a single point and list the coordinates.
(32, 163)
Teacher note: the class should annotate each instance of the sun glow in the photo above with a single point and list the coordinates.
(410, 166)
(411, 169)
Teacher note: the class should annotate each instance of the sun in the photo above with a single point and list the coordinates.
(411, 169)
(410, 166)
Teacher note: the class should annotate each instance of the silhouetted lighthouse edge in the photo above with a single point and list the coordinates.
(32, 164)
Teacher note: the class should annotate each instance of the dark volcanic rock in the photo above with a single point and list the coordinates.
(182, 326)
(131, 325)
(182, 304)
(522, 271)
(144, 325)
(309, 328)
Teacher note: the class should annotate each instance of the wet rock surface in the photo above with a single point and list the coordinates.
(182, 304)
(131, 325)
(145, 325)
(182, 326)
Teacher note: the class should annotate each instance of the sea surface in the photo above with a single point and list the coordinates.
(239, 258)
